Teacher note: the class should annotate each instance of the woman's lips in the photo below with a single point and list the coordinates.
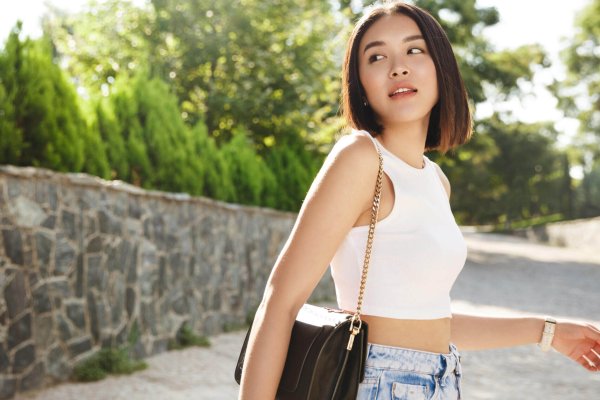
(402, 95)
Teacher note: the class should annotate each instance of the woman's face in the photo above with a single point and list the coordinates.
(393, 57)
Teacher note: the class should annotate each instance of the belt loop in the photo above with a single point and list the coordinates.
(458, 367)
(446, 372)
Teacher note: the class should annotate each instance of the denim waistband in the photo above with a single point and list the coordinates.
(398, 358)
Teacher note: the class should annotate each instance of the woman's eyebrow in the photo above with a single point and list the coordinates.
(382, 43)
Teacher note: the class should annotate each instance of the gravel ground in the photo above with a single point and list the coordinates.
(503, 276)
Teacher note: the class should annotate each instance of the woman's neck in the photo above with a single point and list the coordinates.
(406, 141)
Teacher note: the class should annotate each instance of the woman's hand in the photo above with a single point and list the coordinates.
(580, 342)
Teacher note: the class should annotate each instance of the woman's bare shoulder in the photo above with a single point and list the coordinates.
(357, 153)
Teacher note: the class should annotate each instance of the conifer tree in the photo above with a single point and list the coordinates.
(44, 108)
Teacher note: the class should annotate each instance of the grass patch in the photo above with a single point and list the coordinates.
(107, 361)
(186, 338)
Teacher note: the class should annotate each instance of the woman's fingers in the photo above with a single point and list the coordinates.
(587, 363)
(590, 359)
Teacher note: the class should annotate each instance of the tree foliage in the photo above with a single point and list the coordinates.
(509, 172)
(233, 101)
(579, 97)
(43, 125)
(583, 65)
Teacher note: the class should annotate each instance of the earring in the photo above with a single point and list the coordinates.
(365, 102)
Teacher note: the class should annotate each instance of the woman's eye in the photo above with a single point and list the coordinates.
(410, 51)
(375, 57)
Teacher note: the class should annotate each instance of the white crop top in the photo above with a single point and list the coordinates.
(418, 249)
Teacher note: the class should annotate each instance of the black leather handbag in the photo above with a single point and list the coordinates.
(328, 347)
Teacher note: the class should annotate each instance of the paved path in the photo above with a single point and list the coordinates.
(504, 275)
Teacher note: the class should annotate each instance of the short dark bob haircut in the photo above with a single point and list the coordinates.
(450, 118)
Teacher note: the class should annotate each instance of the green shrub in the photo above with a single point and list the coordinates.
(43, 125)
(251, 177)
(107, 361)
(186, 338)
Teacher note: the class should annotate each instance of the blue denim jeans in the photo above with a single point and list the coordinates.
(395, 373)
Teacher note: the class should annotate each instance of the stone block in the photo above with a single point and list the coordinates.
(134, 228)
(44, 334)
(96, 274)
(79, 346)
(211, 325)
(160, 346)
(180, 306)
(98, 315)
(108, 224)
(13, 245)
(65, 256)
(47, 194)
(119, 204)
(147, 229)
(57, 365)
(24, 357)
(132, 272)
(120, 256)
(3, 201)
(64, 330)
(93, 315)
(89, 200)
(26, 213)
(19, 331)
(95, 244)
(59, 288)
(138, 350)
(148, 317)
(3, 322)
(8, 387)
(80, 273)
(69, 224)
(34, 379)
(89, 226)
(130, 301)
(15, 294)
(43, 248)
(149, 281)
(33, 278)
(134, 209)
(122, 336)
(49, 222)
(75, 312)
(4, 361)
(177, 265)
(116, 300)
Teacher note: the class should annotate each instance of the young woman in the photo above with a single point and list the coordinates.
(402, 93)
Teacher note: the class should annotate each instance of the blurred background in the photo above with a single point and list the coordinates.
(238, 100)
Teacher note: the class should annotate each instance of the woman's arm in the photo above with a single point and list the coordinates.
(578, 341)
(472, 332)
(342, 190)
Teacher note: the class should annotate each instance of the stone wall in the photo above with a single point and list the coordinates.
(581, 234)
(84, 261)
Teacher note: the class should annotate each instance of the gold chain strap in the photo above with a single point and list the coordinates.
(365, 269)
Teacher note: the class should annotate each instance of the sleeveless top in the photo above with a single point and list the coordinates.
(418, 249)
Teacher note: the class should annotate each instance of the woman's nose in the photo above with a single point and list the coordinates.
(398, 69)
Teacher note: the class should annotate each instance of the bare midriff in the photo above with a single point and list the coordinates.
(426, 335)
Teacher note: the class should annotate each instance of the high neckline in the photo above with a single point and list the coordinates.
(401, 161)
